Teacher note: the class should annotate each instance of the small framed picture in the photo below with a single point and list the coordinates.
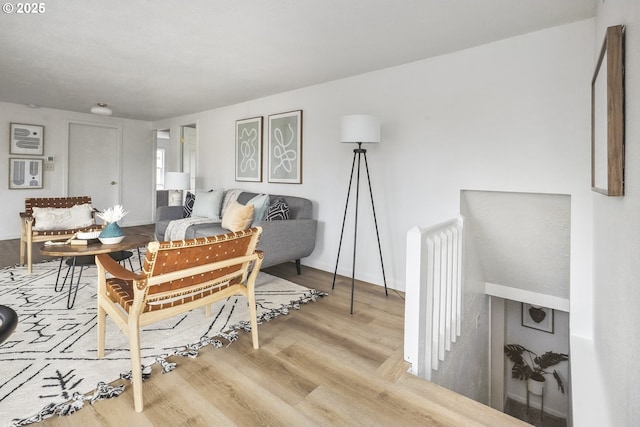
(25, 174)
(285, 147)
(249, 149)
(537, 317)
(26, 139)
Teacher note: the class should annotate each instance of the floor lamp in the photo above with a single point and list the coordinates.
(359, 129)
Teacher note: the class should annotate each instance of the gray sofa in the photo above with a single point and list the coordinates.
(281, 241)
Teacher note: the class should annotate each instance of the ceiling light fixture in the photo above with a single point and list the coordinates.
(101, 109)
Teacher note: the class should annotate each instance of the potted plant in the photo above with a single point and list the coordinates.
(528, 366)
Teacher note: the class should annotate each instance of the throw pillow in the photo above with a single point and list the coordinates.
(188, 204)
(207, 204)
(237, 217)
(261, 203)
(229, 196)
(78, 216)
(277, 210)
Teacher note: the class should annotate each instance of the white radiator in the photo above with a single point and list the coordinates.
(433, 294)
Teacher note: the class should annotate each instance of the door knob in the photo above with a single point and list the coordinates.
(113, 183)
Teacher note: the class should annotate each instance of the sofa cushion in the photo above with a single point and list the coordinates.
(277, 210)
(188, 204)
(260, 203)
(207, 204)
(205, 231)
(230, 196)
(77, 216)
(237, 217)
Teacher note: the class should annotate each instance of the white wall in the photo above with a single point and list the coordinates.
(616, 269)
(137, 170)
(523, 239)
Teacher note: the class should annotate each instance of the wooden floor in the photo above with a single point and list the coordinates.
(318, 366)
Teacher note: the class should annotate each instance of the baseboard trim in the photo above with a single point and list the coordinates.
(535, 404)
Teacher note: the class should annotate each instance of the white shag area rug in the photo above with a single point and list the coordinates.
(49, 367)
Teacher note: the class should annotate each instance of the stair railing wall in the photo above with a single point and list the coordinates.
(433, 305)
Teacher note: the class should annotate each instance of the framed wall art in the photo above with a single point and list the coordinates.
(25, 174)
(607, 116)
(249, 149)
(285, 147)
(26, 139)
(536, 317)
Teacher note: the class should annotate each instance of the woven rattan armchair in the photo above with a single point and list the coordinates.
(29, 235)
(177, 276)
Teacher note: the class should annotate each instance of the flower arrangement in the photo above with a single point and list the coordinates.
(112, 233)
(112, 214)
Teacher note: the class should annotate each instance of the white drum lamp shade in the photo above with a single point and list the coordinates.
(176, 181)
(360, 128)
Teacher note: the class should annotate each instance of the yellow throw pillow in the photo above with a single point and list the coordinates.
(237, 217)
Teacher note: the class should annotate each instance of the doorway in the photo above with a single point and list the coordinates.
(174, 155)
(189, 151)
(95, 163)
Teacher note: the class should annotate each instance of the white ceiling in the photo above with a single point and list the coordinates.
(157, 59)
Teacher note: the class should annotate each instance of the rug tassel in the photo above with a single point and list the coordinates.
(105, 391)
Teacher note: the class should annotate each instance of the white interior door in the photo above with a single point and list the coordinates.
(94, 163)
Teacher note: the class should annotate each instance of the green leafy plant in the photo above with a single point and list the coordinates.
(527, 364)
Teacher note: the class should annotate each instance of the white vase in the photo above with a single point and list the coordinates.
(535, 387)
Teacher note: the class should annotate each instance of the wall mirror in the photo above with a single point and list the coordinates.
(607, 116)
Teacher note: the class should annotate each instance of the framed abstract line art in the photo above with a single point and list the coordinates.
(285, 147)
(26, 139)
(607, 116)
(25, 174)
(249, 149)
(536, 317)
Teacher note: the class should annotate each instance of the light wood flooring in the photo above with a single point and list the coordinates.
(319, 366)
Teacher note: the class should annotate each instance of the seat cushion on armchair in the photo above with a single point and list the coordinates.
(78, 216)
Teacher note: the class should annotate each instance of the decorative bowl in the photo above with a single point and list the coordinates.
(110, 240)
(87, 235)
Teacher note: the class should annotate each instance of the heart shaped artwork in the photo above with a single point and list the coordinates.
(537, 314)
